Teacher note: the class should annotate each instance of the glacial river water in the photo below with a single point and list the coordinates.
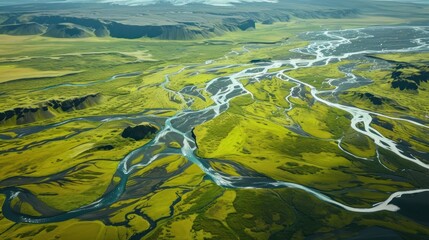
(325, 47)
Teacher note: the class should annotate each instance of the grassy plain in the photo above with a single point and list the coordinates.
(260, 134)
(11, 72)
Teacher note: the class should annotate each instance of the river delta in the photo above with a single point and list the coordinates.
(273, 136)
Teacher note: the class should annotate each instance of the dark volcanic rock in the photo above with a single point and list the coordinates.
(140, 132)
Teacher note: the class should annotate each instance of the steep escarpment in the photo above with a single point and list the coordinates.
(81, 21)
(233, 24)
(152, 21)
(23, 29)
(91, 26)
(81, 27)
(119, 30)
(48, 109)
(67, 30)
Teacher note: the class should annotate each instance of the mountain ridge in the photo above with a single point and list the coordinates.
(69, 21)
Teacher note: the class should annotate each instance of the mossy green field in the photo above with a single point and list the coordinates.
(63, 158)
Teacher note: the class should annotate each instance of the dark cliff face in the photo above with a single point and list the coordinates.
(48, 109)
(167, 32)
(118, 30)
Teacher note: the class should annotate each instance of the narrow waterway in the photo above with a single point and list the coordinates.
(326, 47)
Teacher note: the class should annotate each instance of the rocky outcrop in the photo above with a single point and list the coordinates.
(139, 132)
(48, 109)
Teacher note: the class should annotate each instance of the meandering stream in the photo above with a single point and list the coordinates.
(326, 47)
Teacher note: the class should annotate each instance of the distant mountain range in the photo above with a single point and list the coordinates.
(174, 2)
(141, 2)
(63, 19)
